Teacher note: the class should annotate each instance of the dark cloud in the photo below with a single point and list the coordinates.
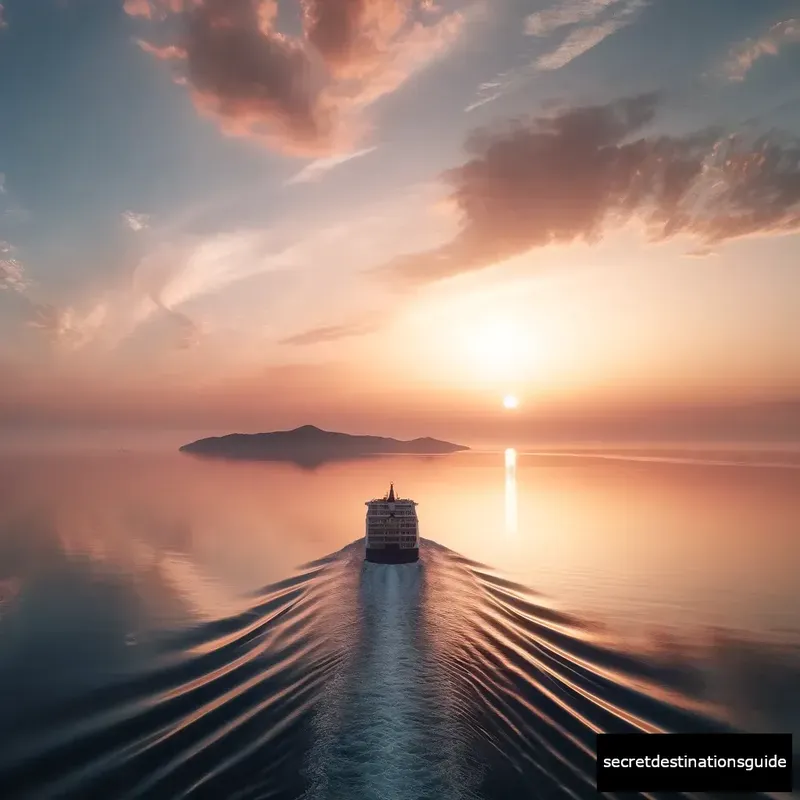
(328, 333)
(570, 175)
(303, 94)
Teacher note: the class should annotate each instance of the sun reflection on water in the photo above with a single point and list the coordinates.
(511, 490)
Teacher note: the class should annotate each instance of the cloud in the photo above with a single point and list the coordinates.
(568, 176)
(189, 332)
(578, 42)
(179, 271)
(587, 31)
(154, 9)
(3, 23)
(166, 278)
(67, 327)
(304, 95)
(329, 333)
(136, 222)
(138, 8)
(2, 177)
(12, 273)
(543, 23)
(700, 252)
(584, 37)
(317, 168)
(743, 56)
(168, 53)
(63, 326)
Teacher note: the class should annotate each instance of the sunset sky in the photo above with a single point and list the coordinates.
(385, 216)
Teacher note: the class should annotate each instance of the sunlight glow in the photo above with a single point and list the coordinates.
(510, 401)
(494, 345)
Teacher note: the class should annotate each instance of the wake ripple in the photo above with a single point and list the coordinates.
(362, 681)
(381, 733)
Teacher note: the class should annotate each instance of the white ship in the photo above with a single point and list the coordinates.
(392, 530)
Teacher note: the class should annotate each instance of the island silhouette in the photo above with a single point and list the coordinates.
(311, 446)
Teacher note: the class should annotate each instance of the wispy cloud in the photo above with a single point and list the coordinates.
(174, 295)
(572, 12)
(66, 326)
(587, 32)
(135, 221)
(167, 277)
(502, 84)
(63, 326)
(578, 42)
(330, 333)
(180, 271)
(320, 166)
(743, 56)
(169, 52)
(12, 275)
(3, 23)
(700, 252)
(587, 29)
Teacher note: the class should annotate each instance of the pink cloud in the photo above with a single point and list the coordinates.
(306, 94)
(153, 9)
(742, 57)
(168, 53)
(138, 8)
(570, 175)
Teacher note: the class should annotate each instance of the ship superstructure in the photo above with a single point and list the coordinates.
(392, 530)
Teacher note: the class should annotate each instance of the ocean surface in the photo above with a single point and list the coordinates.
(173, 627)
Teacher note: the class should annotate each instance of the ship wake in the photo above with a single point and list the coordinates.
(360, 681)
(381, 732)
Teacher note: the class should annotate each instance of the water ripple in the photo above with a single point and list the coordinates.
(363, 681)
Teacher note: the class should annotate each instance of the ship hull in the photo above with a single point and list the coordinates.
(392, 555)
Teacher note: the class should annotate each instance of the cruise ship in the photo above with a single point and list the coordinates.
(392, 530)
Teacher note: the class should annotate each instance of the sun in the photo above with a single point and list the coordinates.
(510, 401)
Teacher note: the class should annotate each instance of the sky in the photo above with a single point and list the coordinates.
(384, 216)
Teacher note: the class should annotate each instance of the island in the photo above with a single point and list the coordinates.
(309, 445)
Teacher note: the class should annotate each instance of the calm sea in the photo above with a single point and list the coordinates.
(172, 627)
